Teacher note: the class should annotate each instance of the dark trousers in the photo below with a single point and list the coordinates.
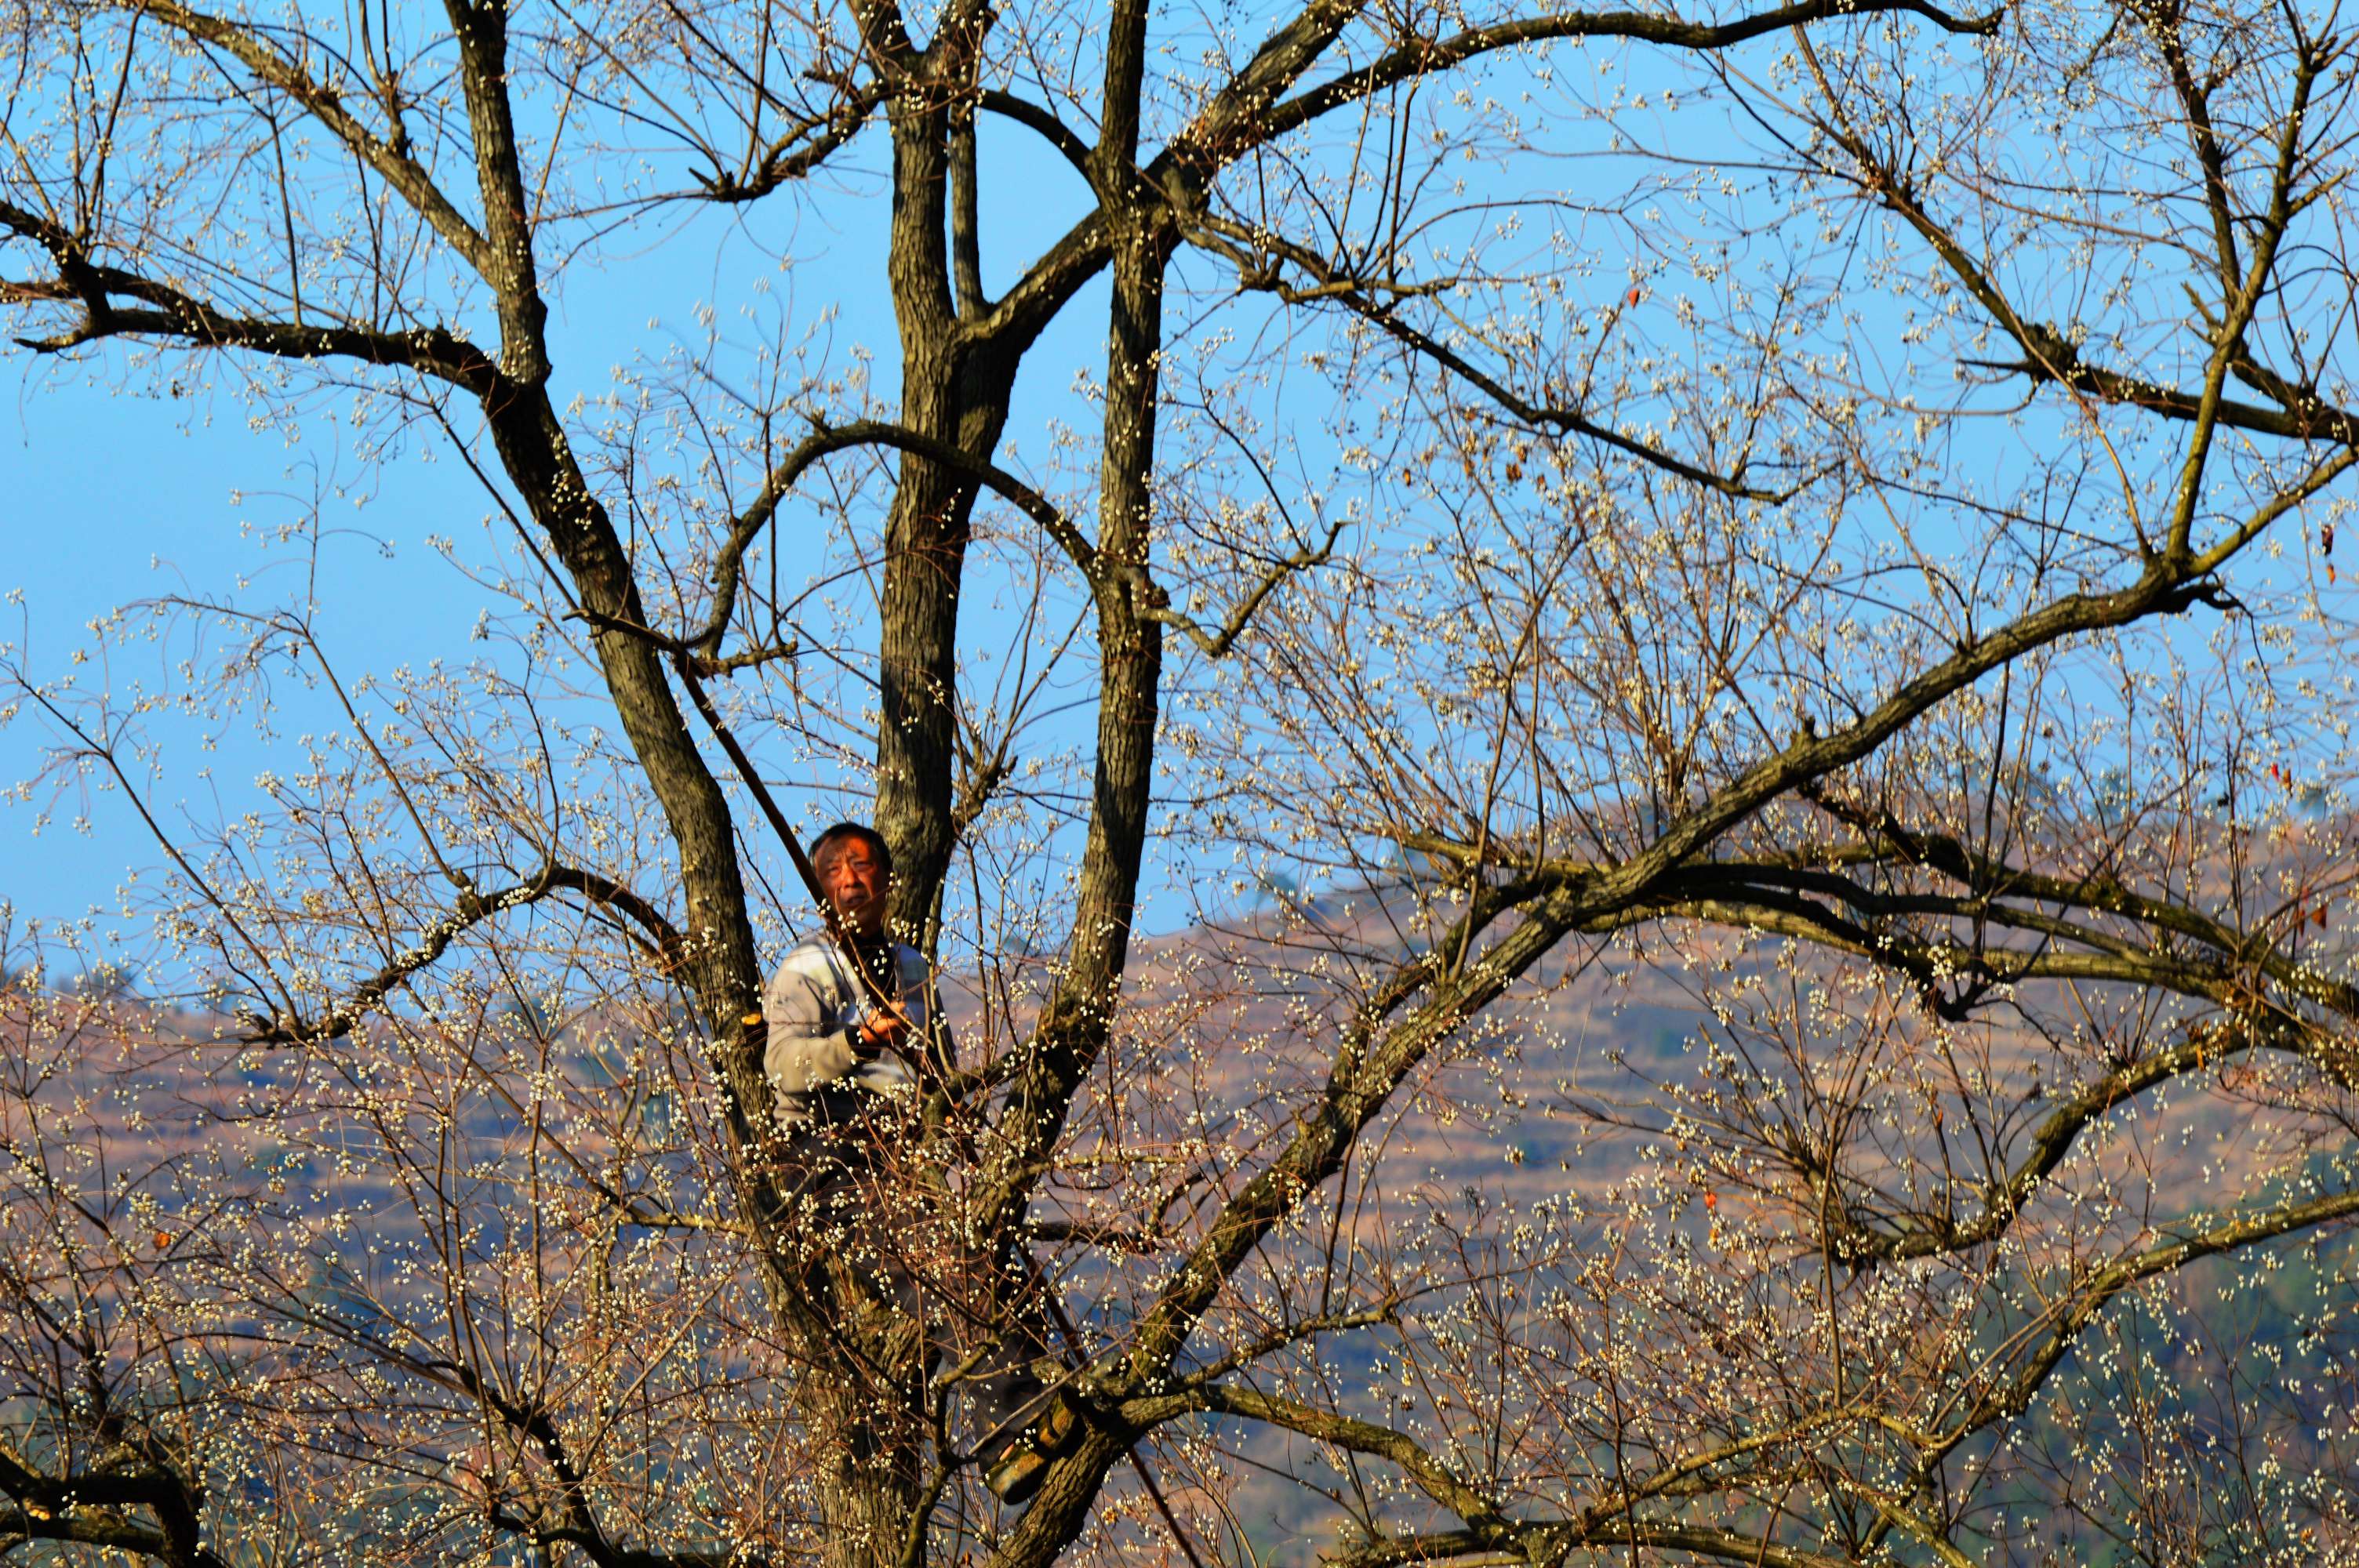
(851, 1200)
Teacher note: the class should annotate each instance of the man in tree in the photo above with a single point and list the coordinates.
(838, 1038)
(855, 1036)
(1678, 499)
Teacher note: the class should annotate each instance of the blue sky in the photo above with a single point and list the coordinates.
(114, 497)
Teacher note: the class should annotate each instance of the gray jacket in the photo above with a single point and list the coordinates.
(814, 1006)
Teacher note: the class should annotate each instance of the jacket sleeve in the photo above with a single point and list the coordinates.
(805, 1047)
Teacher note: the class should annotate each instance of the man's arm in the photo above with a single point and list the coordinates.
(806, 1047)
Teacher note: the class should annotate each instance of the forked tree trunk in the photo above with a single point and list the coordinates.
(955, 392)
(875, 1423)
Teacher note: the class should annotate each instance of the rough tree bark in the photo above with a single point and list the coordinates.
(1706, 854)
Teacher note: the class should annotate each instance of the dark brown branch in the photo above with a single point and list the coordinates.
(1374, 303)
(802, 148)
(2163, 588)
(2049, 355)
(86, 1508)
(325, 104)
(2080, 1309)
(826, 439)
(1033, 117)
(1752, 897)
(1386, 1312)
(1216, 644)
(574, 1524)
(507, 264)
(472, 910)
(1364, 1077)
(85, 1526)
(2165, 24)
(1426, 56)
(966, 220)
(1436, 1479)
(1240, 117)
(1370, 1063)
(171, 313)
(1489, 1532)
(1991, 882)
(1549, 1542)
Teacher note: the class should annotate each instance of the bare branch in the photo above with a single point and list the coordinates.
(472, 910)
(1216, 644)
(800, 150)
(327, 106)
(826, 439)
(1426, 57)
(1377, 304)
(433, 351)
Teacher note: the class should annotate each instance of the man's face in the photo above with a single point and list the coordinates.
(856, 881)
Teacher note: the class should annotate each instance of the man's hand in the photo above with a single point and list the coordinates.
(885, 1028)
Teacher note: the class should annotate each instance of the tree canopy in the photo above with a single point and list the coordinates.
(1623, 733)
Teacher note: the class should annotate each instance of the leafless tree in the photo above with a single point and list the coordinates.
(1804, 530)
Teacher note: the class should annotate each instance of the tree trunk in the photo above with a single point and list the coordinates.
(955, 391)
(873, 1427)
(1073, 1027)
(719, 959)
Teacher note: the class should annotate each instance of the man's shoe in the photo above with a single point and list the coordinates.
(1017, 1472)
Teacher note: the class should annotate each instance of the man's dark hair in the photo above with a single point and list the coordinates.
(860, 830)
